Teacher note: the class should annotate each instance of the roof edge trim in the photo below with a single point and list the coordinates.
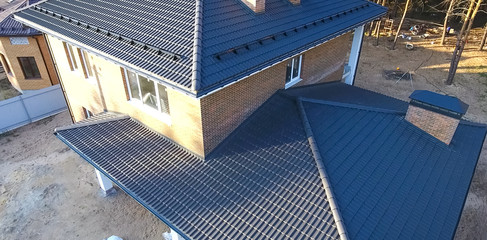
(108, 57)
(197, 45)
(323, 175)
(351, 105)
(91, 123)
(126, 190)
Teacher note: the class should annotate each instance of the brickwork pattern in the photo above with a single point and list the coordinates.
(326, 62)
(257, 6)
(223, 111)
(197, 124)
(185, 127)
(438, 125)
(17, 78)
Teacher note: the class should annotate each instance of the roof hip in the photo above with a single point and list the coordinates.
(196, 74)
(322, 171)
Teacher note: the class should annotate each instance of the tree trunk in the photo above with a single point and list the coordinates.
(378, 26)
(482, 43)
(394, 9)
(400, 24)
(445, 24)
(462, 39)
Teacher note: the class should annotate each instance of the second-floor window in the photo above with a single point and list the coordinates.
(29, 67)
(70, 55)
(150, 93)
(85, 63)
(293, 71)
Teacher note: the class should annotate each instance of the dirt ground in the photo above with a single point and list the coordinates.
(48, 192)
(6, 89)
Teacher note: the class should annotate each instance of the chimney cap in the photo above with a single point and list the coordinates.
(441, 102)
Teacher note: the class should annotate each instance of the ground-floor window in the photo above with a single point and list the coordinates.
(147, 91)
(293, 71)
(29, 67)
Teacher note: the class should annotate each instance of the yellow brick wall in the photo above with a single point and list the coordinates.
(107, 91)
(197, 124)
(438, 125)
(224, 110)
(33, 49)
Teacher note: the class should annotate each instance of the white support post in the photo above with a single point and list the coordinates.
(175, 235)
(354, 54)
(105, 183)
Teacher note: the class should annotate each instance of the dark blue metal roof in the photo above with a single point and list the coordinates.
(10, 27)
(438, 100)
(262, 183)
(390, 179)
(219, 41)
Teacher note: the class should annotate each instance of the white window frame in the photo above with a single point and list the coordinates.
(85, 66)
(165, 117)
(71, 57)
(298, 78)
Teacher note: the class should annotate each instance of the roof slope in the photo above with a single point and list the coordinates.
(10, 27)
(390, 179)
(216, 41)
(262, 183)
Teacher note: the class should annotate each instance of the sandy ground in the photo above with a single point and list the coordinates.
(6, 89)
(48, 192)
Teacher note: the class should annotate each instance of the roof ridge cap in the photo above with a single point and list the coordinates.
(351, 105)
(197, 40)
(93, 122)
(340, 224)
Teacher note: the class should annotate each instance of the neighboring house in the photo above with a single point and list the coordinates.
(24, 53)
(216, 116)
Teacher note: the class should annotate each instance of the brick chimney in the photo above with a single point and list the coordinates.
(257, 6)
(436, 114)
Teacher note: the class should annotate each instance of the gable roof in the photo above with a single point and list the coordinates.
(388, 178)
(10, 27)
(198, 46)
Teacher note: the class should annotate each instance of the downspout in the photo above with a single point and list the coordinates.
(44, 60)
(340, 224)
(196, 75)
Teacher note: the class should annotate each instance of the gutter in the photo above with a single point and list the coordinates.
(340, 224)
(197, 45)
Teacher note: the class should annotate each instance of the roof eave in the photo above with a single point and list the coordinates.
(117, 61)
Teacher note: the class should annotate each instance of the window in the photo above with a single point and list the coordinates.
(29, 67)
(70, 55)
(87, 113)
(19, 41)
(85, 63)
(150, 93)
(6, 66)
(293, 71)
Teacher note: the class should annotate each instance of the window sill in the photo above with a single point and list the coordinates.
(163, 117)
(292, 82)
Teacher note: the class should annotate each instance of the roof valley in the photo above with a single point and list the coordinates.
(322, 171)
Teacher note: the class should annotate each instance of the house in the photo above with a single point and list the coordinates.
(24, 53)
(225, 119)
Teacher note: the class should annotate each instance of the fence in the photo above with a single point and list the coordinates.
(30, 107)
